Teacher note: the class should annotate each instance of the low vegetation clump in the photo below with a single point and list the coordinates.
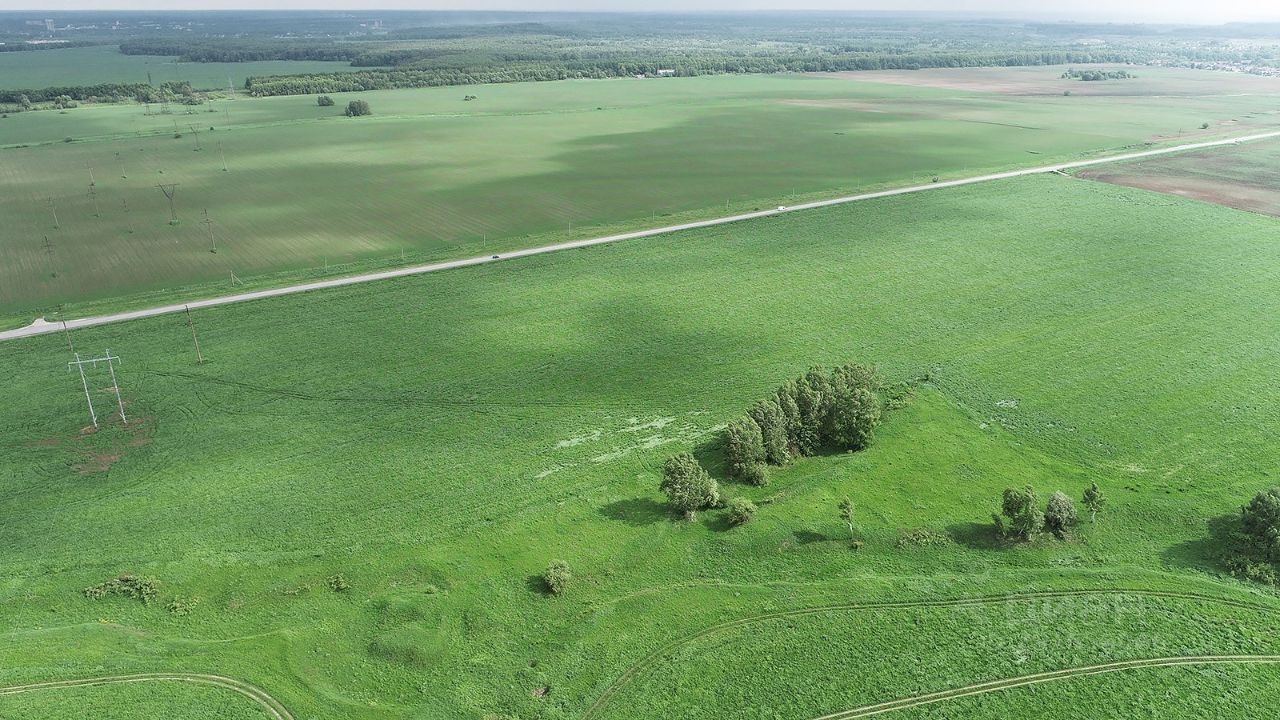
(740, 511)
(557, 577)
(358, 108)
(182, 606)
(145, 589)
(687, 485)
(1255, 542)
(922, 537)
(324, 101)
(338, 583)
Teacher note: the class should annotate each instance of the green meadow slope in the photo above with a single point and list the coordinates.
(438, 440)
(432, 176)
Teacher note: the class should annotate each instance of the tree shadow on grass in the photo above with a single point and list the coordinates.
(808, 537)
(537, 585)
(1221, 539)
(637, 512)
(710, 454)
(977, 536)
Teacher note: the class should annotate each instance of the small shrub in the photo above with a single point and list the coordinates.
(741, 510)
(1246, 569)
(557, 577)
(1204, 126)
(182, 606)
(1260, 520)
(324, 101)
(337, 583)
(856, 545)
(68, 139)
(922, 537)
(358, 108)
(140, 588)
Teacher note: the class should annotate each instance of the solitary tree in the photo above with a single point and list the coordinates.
(356, 108)
(1261, 520)
(846, 515)
(324, 101)
(24, 102)
(688, 487)
(557, 576)
(1093, 501)
(743, 445)
(1020, 515)
(1060, 514)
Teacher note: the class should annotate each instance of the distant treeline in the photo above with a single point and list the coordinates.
(104, 92)
(23, 46)
(438, 74)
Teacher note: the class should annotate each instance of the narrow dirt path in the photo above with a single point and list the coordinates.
(273, 707)
(997, 685)
(41, 327)
(661, 653)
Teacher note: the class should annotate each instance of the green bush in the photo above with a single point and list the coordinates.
(338, 583)
(357, 108)
(740, 511)
(324, 101)
(756, 474)
(141, 588)
(557, 577)
(1261, 522)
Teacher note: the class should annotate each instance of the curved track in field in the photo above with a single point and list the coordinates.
(997, 685)
(273, 707)
(661, 653)
(41, 327)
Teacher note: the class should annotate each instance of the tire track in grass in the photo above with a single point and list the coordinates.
(1007, 684)
(274, 708)
(668, 649)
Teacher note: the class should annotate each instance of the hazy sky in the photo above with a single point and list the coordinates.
(1209, 11)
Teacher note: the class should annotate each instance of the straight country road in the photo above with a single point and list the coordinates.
(41, 327)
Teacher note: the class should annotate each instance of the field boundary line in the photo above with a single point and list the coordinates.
(274, 707)
(661, 653)
(42, 327)
(1036, 678)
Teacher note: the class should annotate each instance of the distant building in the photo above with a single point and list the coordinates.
(666, 73)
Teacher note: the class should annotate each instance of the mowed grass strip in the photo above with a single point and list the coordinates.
(430, 176)
(438, 440)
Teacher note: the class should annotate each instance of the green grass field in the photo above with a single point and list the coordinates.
(431, 176)
(105, 64)
(438, 440)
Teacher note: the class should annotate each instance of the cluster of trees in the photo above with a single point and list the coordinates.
(324, 101)
(410, 72)
(1021, 518)
(1095, 75)
(837, 409)
(64, 97)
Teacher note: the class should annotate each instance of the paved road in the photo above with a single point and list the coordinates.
(272, 706)
(40, 327)
(996, 685)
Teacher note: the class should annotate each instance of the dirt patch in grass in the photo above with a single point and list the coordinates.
(99, 449)
(1231, 194)
(1047, 80)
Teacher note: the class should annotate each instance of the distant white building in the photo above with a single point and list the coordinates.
(666, 73)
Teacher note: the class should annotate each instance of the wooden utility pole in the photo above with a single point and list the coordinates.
(169, 190)
(208, 225)
(194, 340)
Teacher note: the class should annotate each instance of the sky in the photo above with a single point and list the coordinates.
(1199, 11)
